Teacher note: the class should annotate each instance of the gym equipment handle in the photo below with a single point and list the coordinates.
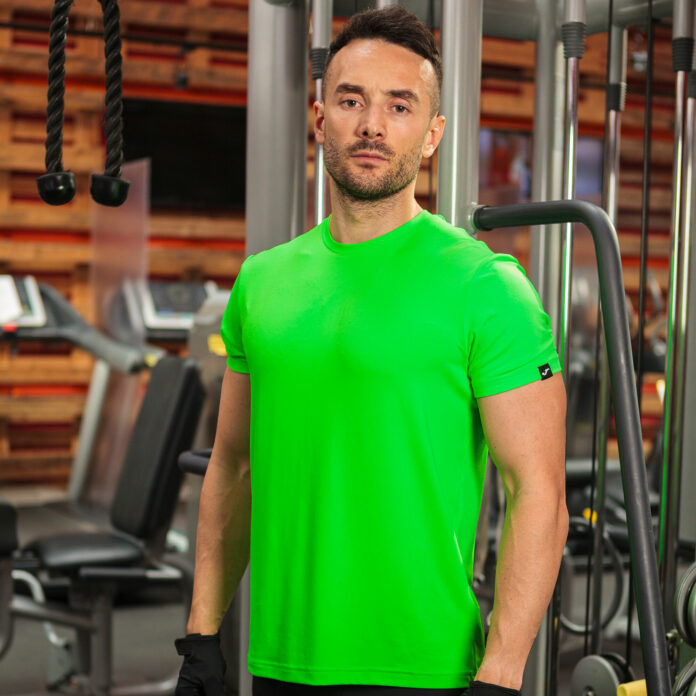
(625, 399)
(195, 461)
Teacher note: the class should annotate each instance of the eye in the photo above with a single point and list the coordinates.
(401, 109)
(350, 103)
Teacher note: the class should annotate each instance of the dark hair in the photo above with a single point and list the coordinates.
(395, 25)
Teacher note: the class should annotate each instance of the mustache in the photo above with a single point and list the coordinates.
(367, 146)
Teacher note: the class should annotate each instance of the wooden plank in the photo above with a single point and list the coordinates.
(148, 13)
(197, 227)
(4, 439)
(32, 98)
(41, 409)
(42, 256)
(661, 152)
(630, 198)
(658, 247)
(37, 467)
(41, 216)
(48, 369)
(30, 157)
(231, 78)
(194, 262)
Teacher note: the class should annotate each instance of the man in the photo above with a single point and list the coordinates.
(373, 361)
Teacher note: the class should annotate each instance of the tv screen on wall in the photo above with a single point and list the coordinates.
(197, 153)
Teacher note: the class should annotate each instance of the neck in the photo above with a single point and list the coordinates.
(354, 221)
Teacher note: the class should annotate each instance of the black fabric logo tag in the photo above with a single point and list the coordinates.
(545, 371)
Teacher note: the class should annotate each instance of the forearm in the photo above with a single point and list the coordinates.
(531, 547)
(222, 544)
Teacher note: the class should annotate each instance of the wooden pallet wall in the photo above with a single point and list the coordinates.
(42, 388)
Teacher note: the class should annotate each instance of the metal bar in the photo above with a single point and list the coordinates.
(549, 103)
(457, 176)
(322, 14)
(610, 202)
(276, 164)
(682, 42)
(89, 428)
(617, 84)
(25, 608)
(569, 165)
(628, 428)
(545, 241)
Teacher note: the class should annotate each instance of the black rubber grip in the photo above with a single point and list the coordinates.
(682, 52)
(573, 35)
(691, 85)
(318, 56)
(616, 96)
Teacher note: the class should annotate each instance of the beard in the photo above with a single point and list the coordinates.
(363, 185)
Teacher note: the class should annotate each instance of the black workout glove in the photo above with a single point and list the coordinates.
(204, 667)
(479, 688)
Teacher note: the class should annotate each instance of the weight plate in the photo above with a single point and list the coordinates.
(681, 603)
(691, 617)
(685, 679)
(623, 670)
(596, 675)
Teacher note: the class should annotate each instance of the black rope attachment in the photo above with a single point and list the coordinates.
(108, 188)
(56, 187)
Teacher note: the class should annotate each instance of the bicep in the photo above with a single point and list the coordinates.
(525, 431)
(232, 434)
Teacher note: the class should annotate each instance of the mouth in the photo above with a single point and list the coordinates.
(368, 157)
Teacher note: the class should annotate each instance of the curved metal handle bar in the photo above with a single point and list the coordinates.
(628, 430)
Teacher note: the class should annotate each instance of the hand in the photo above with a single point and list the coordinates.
(479, 688)
(204, 667)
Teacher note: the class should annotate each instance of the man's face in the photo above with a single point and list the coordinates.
(375, 123)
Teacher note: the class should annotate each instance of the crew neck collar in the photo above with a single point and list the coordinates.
(384, 241)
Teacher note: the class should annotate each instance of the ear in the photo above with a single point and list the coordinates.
(319, 122)
(434, 135)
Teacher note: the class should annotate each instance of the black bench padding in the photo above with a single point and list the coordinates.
(69, 551)
(8, 528)
(150, 479)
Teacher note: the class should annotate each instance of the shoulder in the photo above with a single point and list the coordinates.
(448, 245)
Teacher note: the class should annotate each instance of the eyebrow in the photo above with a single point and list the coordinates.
(406, 94)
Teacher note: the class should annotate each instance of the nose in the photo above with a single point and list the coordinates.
(371, 125)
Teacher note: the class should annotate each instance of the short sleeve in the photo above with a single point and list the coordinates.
(512, 343)
(231, 327)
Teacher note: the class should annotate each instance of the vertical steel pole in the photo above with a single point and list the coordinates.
(616, 100)
(276, 167)
(457, 175)
(322, 14)
(547, 157)
(682, 51)
(573, 34)
(687, 520)
(545, 242)
(276, 161)
(380, 4)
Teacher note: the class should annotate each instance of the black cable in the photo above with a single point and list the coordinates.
(645, 212)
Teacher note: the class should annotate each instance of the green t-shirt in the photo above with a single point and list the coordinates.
(367, 451)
